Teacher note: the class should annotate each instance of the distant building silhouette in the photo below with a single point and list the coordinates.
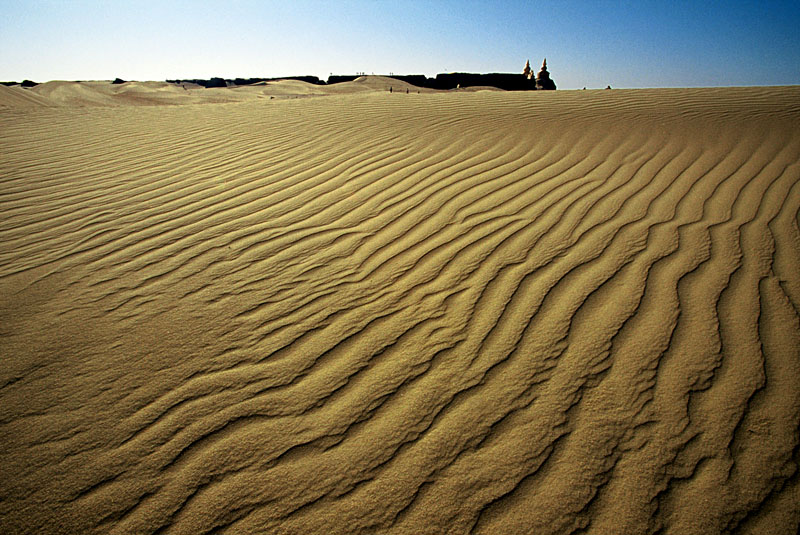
(543, 80)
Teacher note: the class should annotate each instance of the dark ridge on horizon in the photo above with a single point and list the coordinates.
(453, 80)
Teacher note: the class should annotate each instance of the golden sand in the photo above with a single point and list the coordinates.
(240, 311)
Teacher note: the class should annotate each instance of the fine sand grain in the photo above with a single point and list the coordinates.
(239, 311)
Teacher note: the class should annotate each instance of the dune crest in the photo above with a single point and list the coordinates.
(487, 312)
(105, 94)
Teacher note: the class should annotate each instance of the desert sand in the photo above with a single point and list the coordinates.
(295, 309)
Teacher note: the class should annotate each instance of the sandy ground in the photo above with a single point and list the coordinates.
(239, 311)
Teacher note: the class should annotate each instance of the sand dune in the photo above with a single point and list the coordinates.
(19, 98)
(543, 312)
(106, 94)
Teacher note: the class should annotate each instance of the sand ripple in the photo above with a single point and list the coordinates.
(441, 313)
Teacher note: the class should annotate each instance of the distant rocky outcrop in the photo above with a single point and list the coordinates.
(506, 81)
(453, 80)
(28, 83)
(543, 80)
(118, 81)
(216, 82)
(340, 78)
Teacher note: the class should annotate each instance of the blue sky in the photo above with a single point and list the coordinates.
(587, 43)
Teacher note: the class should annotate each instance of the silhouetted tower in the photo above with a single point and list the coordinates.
(543, 80)
(527, 72)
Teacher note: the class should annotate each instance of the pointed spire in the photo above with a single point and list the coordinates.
(527, 71)
(543, 80)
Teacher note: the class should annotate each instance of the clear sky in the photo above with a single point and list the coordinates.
(640, 43)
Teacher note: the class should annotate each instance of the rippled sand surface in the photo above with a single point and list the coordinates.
(363, 312)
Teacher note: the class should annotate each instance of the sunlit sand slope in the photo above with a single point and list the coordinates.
(19, 98)
(491, 313)
(106, 94)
